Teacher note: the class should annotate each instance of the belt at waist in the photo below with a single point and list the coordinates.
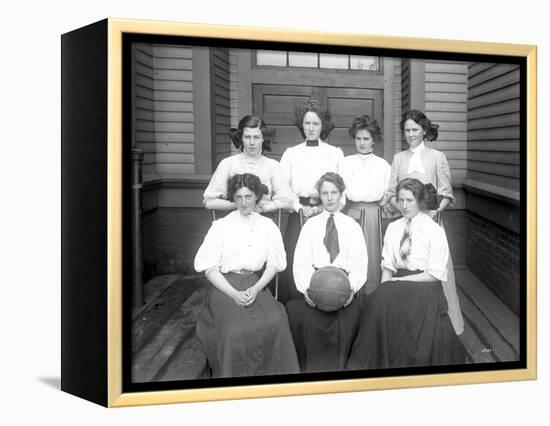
(309, 201)
(243, 272)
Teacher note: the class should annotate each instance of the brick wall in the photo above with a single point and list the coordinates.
(455, 222)
(493, 256)
(171, 238)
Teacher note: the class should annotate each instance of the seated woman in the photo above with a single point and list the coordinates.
(243, 329)
(252, 137)
(405, 321)
(323, 339)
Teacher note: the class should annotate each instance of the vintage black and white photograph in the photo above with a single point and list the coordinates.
(298, 209)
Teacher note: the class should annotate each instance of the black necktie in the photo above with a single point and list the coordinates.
(312, 143)
(331, 239)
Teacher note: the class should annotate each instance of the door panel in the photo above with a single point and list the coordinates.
(276, 103)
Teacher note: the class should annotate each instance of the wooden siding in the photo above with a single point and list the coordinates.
(174, 115)
(144, 105)
(405, 87)
(234, 87)
(398, 105)
(221, 102)
(446, 104)
(493, 124)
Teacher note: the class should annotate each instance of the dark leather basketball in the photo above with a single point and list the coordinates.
(329, 288)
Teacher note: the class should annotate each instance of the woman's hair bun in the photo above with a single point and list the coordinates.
(264, 189)
(429, 201)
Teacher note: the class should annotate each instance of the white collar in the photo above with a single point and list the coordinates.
(418, 149)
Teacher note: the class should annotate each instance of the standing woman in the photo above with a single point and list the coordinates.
(367, 177)
(428, 165)
(243, 329)
(323, 339)
(252, 137)
(405, 322)
(302, 165)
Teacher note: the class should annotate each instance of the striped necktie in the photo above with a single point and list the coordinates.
(405, 246)
(331, 239)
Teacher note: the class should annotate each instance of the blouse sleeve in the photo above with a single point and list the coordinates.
(439, 254)
(217, 187)
(387, 176)
(283, 197)
(210, 252)
(387, 250)
(303, 260)
(393, 179)
(276, 255)
(444, 186)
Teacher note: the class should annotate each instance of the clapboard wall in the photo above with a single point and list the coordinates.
(493, 124)
(446, 104)
(144, 105)
(221, 102)
(163, 121)
(174, 109)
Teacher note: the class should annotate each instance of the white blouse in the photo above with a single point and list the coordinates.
(429, 248)
(267, 169)
(303, 165)
(311, 253)
(366, 177)
(415, 164)
(238, 242)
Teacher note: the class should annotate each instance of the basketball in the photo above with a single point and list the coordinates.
(329, 288)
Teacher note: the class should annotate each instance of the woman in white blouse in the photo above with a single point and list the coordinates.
(323, 339)
(428, 165)
(252, 137)
(366, 177)
(405, 321)
(302, 165)
(243, 329)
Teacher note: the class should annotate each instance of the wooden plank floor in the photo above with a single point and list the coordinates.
(165, 347)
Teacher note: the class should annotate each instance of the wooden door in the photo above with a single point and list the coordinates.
(276, 103)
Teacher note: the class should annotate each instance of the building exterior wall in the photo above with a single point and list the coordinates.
(164, 110)
(493, 178)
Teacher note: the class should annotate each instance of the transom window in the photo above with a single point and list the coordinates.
(275, 58)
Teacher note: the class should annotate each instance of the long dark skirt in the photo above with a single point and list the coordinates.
(287, 287)
(405, 324)
(371, 231)
(323, 339)
(246, 341)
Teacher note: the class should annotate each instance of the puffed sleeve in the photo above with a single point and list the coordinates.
(394, 178)
(340, 161)
(387, 176)
(210, 252)
(387, 249)
(283, 196)
(444, 186)
(276, 255)
(439, 254)
(358, 261)
(286, 173)
(217, 187)
(303, 259)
